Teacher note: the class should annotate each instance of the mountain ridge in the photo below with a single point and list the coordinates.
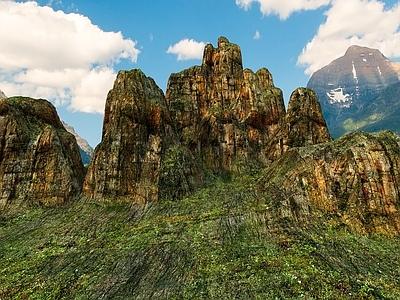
(350, 82)
(85, 149)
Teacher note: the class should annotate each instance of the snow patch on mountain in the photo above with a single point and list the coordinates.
(354, 72)
(338, 96)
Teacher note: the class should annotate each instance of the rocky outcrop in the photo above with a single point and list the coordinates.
(138, 145)
(225, 115)
(304, 117)
(85, 150)
(350, 82)
(215, 118)
(352, 181)
(39, 159)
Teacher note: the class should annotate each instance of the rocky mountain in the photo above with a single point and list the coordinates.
(2, 95)
(215, 118)
(212, 191)
(138, 145)
(85, 150)
(39, 161)
(349, 83)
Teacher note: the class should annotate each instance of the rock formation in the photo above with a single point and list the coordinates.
(215, 118)
(350, 82)
(353, 181)
(304, 117)
(227, 116)
(39, 159)
(137, 139)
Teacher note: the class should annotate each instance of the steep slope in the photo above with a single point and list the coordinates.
(306, 125)
(85, 150)
(350, 82)
(227, 116)
(39, 159)
(354, 180)
(138, 157)
(215, 120)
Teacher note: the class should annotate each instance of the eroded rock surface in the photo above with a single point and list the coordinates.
(137, 137)
(225, 115)
(39, 159)
(306, 124)
(352, 181)
(215, 118)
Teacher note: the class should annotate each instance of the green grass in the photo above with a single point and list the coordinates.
(219, 243)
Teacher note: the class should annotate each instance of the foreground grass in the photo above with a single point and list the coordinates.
(217, 244)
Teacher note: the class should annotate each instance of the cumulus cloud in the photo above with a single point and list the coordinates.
(283, 8)
(187, 49)
(257, 35)
(353, 22)
(58, 56)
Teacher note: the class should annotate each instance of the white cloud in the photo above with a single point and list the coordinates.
(283, 8)
(353, 22)
(257, 35)
(53, 55)
(187, 49)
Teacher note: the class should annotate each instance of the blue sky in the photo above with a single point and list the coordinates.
(69, 51)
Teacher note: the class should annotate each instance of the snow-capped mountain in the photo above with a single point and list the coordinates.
(350, 82)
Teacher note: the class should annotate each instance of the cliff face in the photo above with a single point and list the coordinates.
(39, 159)
(216, 118)
(353, 181)
(228, 116)
(305, 121)
(137, 137)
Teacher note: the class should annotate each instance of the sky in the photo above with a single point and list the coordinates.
(69, 51)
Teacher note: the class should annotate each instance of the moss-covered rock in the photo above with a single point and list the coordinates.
(39, 159)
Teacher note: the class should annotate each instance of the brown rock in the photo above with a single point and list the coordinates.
(227, 116)
(305, 120)
(136, 136)
(354, 181)
(39, 161)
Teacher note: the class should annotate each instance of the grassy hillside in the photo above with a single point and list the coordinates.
(216, 244)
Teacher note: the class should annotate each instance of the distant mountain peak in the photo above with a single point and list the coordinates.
(356, 49)
(351, 81)
(2, 95)
(85, 149)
